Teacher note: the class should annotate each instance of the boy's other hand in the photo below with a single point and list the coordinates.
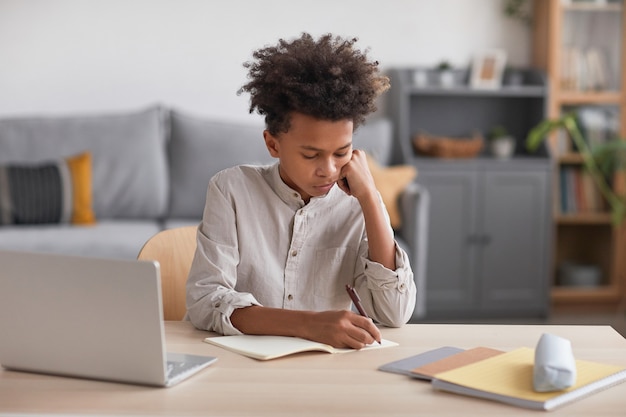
(355, 178)
(342, 329)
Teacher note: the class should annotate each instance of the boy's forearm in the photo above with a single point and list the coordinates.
(380, 241)
(264, 320)
(339, 328)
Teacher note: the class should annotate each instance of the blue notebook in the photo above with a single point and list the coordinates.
(404, 366)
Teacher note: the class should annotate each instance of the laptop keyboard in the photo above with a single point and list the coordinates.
(177, 368)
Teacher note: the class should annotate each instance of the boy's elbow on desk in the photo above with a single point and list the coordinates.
(396, 316)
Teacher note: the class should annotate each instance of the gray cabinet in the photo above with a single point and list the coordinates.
(488, 238)
(490, 220)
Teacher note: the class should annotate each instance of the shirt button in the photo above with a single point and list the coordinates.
(294, 253)
(290, 297)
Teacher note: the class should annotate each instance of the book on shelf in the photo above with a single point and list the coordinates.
(579, 195)
(563, 143)
(597, 124)
(583, 69)
(508, 378)
(596, 70)
(578, 191)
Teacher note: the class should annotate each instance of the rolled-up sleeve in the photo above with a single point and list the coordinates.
(389, 296)
(211, 294)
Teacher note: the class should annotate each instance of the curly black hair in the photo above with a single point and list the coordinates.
(328, 79)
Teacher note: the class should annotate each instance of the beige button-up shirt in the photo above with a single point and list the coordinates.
(260, 244)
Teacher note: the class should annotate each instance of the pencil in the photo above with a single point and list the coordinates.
(354, 296)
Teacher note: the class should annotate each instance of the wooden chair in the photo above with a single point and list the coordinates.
(174, 250)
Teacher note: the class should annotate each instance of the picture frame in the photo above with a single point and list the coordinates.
(488, 68)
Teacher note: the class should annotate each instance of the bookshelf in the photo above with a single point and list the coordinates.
(580, 45)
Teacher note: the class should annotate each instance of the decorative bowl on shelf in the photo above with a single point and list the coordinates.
(447, 147)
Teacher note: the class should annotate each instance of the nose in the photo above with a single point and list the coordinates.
(326, 168)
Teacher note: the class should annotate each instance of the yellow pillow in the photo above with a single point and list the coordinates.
(390, 182)
(82, 204)
(50, 192)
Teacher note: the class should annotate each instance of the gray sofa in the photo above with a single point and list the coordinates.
(150, 172)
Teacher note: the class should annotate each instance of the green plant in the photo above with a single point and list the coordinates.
(443, 66)
(498, 132)
(602, 162)
(518, 9)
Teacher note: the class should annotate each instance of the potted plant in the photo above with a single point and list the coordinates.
(605, 163)
(501, 143)
(518, 9)
(445, 74)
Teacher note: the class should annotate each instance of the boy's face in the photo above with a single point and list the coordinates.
(311, 153)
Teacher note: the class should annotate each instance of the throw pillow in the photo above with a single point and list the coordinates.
(391, 181)
(53, 192)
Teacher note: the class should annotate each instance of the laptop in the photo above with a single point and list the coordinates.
(89, 318)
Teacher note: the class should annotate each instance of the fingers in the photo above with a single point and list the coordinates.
(356, 172)
(342, 328)
(363, 332)
(343, 185)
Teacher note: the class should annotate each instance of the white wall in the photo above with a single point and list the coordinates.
(60, 56)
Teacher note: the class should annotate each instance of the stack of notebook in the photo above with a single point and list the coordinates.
(502, 376)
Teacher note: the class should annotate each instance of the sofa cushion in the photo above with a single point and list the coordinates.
(200, 148)
(391, 182)
(130, 173)
(53, 192)
(375, 138)
(122, 239)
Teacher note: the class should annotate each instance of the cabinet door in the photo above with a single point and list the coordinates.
(515, 217)
(450, 278)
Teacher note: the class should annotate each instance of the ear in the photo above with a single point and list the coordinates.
(272, 144)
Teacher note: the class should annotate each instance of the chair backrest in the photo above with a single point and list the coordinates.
(174, 250)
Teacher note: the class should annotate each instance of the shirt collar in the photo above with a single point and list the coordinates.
(290, 196)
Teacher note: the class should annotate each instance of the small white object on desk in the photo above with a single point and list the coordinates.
(555, 366)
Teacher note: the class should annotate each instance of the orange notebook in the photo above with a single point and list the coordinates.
(457, 360)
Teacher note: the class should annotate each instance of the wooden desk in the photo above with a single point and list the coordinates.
(316, 384)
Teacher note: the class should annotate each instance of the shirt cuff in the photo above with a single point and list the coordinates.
(228, 303)
(382, 278)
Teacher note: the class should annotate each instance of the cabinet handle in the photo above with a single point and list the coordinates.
(473, 239)
(479, 240)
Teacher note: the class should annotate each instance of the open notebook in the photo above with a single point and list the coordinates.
(272, 347)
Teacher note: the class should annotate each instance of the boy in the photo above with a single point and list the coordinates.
(278, 244)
